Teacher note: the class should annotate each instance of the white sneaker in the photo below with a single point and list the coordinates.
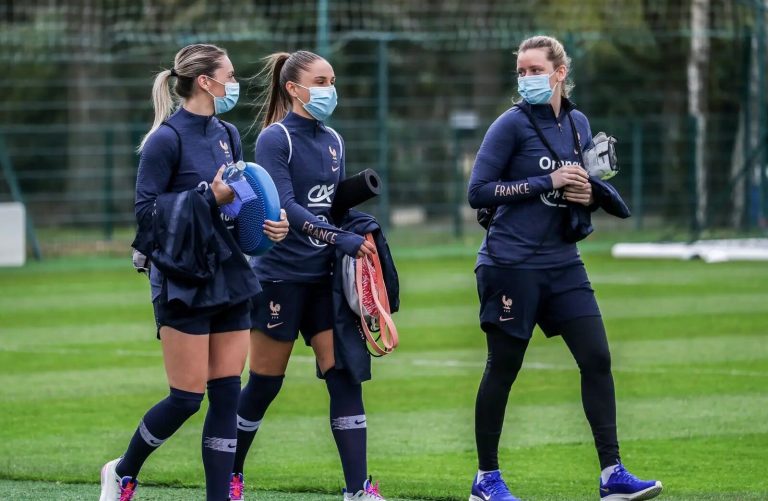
(114, 488)
(370, 492)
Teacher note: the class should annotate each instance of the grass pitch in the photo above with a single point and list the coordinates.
(79, 365)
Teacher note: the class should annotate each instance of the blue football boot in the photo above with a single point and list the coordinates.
(491, 488)
(623, 486)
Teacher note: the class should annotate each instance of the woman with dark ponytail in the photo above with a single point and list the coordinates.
(203, 324)
(305, 158)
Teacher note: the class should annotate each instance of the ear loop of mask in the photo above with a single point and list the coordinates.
(211, 93)
(297, 94)
(558, 82)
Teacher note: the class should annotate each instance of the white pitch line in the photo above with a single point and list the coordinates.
(76, 351)
(425, 362)
(446, 363)
(559, 367)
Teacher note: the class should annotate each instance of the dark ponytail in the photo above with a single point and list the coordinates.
(275, 101)
(280, 68)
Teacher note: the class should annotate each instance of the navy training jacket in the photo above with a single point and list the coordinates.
(170, 165)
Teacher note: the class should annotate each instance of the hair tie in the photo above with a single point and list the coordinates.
(173, 72)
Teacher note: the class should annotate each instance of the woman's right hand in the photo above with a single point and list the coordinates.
(367, 249)
(570, 175)
(223, 193)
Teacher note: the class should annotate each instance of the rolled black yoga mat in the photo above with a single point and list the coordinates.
(355, 190)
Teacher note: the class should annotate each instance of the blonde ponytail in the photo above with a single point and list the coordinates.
(162, 102)
(190, 62)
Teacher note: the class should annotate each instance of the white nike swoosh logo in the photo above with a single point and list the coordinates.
(502, 319)
(272, 326)
(486, 496)
(337, 168)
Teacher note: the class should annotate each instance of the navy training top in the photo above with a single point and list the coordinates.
(306, 170)
(205, 146)
(512, 172)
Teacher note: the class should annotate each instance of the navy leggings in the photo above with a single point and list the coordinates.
(585, 338)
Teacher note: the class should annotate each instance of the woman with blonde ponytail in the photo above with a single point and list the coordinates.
(203, 323)
(162, 102)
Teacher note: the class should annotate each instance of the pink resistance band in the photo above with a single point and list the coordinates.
(373, 298)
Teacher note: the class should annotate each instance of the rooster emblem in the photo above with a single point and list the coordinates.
(507, 303)
(275, 309)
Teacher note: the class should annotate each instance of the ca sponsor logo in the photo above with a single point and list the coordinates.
(321, 195)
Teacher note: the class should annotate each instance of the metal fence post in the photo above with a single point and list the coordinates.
(109, 171)
(696, 223)
(383, 130)
(637, 173)
(322, 28)
(745, 217)
(458, 228)
(762, 126)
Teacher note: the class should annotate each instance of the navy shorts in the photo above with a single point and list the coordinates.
(515, 300)
(202, 320)
(283, 309)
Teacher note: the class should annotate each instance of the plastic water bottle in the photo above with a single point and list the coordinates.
(234, 172)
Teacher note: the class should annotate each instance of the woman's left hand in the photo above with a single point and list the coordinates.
(277, 230)
(582, 195)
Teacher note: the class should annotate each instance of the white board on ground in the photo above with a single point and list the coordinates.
(12, 228)
(710, 251)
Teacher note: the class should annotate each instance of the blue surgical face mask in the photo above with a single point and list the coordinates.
(535, 89)
(322, 101)
(226, 102)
